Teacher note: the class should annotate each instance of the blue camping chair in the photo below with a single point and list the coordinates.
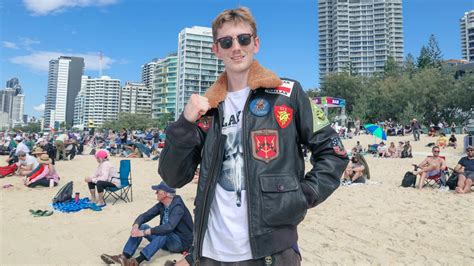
(126, 184)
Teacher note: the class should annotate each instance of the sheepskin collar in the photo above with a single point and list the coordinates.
(259, 77)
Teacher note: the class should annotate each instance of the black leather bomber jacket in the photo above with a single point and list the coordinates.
(279, 192)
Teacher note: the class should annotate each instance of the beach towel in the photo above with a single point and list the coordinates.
(73, 206)
(6, 170)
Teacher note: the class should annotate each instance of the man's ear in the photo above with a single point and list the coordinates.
(215, 50)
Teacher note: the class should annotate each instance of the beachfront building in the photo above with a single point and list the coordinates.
(198, 67)
(135, 98)
(12, 103)
(359, 36)
(467, 36)
(148, 71)
(64, 83)
(164, 86)
(97, 102)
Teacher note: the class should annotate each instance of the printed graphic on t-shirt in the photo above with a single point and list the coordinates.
(232, 178)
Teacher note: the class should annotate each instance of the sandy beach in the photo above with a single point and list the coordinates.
(376, 223)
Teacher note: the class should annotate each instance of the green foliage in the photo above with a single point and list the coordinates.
(136, 121)
(30, 127)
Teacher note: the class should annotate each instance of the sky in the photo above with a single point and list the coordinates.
(130, 33)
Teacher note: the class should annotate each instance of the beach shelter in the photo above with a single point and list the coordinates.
(376, 131)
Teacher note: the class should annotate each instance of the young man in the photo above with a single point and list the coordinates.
(246, 133)
(431, 166)
(465, 168)
(175, 232)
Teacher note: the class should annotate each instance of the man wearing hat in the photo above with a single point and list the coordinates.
(174, 233)
(416, 128)
(20, 147)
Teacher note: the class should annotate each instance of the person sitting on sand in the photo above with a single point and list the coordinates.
(382, 150)
(104, 176)
(175, 232)
(407, 150)
(431, 166)
(354, 171)
(46, 176)
(453, 142)
(392, 150)
(442, 141)
(358, 148)
(136, 153)
(26, 163)
(465, 168)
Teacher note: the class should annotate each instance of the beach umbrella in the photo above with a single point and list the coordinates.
(376, 131)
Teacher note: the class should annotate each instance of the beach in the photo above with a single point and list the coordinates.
(376, 223)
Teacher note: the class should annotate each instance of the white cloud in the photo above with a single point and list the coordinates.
(44, 7)
(39, 61)
(39, 108)
(10, 45)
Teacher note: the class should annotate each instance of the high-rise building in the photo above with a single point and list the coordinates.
(359, 36)
(97, 102)
(164, 86)
(467, 36)
(12, 103)
(135, 98)
(147, 73)
(64, 83)
(14, 83)
(198, 67)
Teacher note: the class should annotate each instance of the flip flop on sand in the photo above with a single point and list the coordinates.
(41, 213)
(7, 186)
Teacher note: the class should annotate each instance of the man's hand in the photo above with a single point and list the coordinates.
(135, 230)
(196, 107)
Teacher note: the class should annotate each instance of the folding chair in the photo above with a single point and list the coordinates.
(125, 184)
(435, 181)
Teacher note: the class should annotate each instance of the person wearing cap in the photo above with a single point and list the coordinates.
(105, 175)
(20, 147)
(26, 163)
(465, 168)
(47, 175)
(416, 128)
(174, 233)
(60, 143)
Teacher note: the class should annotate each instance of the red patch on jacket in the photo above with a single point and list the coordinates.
(265, 145)
(204, 123)
(283, 115)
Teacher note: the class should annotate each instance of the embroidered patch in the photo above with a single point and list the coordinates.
(204, 123)
(319, 119)
(337, 146)
(284, 89)
(265, 145)
(259, 107)
(283, 115)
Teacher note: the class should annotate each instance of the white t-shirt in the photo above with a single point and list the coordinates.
(21, 147)
(227, 235)
(29, 160)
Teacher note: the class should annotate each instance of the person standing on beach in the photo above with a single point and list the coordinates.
(416, 128)
(246, 134)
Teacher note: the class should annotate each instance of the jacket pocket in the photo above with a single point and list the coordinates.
(283, 201)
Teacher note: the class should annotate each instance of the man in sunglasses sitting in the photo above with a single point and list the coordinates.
(465, 168)
(246, 133)
(431, 166)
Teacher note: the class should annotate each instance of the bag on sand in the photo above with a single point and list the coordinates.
(409, 179)
(452, 181)
(64, 194)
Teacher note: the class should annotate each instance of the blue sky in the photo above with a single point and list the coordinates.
(132, 32)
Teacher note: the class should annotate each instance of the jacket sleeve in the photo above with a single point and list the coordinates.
(148, 215)
(175, 216)
(182, 152)
(42, 175)
(328, 158)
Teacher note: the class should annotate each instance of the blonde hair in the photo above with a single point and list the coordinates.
(238, 15)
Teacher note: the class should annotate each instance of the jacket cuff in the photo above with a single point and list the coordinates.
(184, 123)
(310, 195)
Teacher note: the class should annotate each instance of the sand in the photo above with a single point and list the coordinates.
(377, 223)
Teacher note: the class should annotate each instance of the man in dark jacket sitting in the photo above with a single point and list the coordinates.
(175, 232)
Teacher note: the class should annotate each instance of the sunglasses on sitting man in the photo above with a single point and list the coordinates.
(243, 39)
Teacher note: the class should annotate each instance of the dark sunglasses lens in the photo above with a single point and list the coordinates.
(225, 42)
(244, 39)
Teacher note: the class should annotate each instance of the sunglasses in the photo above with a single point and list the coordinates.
(436, 151)
(243, 39)
(469, 150)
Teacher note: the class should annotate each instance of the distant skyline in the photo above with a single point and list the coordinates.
(131, 33)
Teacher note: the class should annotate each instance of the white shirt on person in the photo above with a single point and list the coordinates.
(21, 147)
(28, 161)
(227, 235)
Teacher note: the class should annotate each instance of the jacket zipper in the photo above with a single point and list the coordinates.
(216, 152)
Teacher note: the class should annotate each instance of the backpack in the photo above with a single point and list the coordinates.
(409, 179)
(64, 194)
(452, 181)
